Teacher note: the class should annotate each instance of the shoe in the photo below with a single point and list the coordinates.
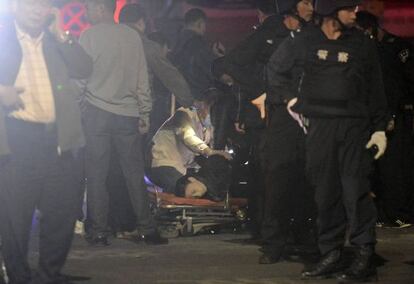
(327, 267)
(269, 259)
(154, 239)
(100, 240)
(397, 224)
(361, 269)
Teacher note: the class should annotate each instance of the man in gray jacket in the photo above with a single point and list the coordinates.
(161, 69)
(116, 106)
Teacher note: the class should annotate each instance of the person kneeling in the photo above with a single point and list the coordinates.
(181, 140)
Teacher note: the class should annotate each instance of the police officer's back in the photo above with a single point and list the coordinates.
(393, 179)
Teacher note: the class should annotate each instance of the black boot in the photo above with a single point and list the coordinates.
(271, 253)
(154, 239)
(361, 269)
(271, 257)
(327, 267)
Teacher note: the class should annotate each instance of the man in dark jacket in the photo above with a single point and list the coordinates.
(246, 65)
(288, 199)
(342, 95)
(40, 135)
(394, 176)
(193, 55)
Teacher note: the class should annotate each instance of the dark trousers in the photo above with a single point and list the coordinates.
(338, 166)
(102, 130)
(165, 177)
(394, 176)
(121, 217)
(255, 186)
(36, 176)
(288, 195)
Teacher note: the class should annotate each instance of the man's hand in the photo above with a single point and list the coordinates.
(379, 139)
(219, 49)
(391, 125)
(210, 152)
(224, 154)
(55, 27)
(10, 97)
(239, 127)
(260, 104)
(143, 126)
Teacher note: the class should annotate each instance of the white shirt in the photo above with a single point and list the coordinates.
(33, 76)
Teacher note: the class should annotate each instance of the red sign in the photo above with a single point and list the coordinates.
(73, 18)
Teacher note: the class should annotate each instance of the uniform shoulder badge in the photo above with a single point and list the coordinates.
(322, 54)
(403, 55)
(343, 57)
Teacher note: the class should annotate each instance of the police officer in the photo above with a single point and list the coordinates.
(286, 189)
(245, 64)
(394, 174)
(342, 95)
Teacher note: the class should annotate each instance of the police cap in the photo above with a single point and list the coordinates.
(328, 7)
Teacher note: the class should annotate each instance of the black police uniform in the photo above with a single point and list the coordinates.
(395, 169)
(246, 64)
(289, 196)
(342, 94)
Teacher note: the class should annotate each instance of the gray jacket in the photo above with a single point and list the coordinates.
(64, 61)
(166, 72)
(119, 81)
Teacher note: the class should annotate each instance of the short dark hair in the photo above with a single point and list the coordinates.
(194, 15)
(110, 5)
(366, 20)
(131, 13)
(267, 7)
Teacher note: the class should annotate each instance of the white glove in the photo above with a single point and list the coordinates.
(260, 103)
(296, 116)
(378, 138)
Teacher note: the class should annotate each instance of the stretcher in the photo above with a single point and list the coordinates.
(178, 216)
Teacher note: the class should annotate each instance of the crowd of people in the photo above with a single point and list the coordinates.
(319, 96)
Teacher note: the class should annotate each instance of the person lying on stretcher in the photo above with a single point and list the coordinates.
(181, 140)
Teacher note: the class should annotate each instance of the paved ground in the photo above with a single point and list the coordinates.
(217, 259)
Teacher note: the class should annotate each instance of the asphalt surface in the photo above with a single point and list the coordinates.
(224, 258)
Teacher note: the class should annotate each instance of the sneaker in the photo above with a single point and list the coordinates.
(397, 224)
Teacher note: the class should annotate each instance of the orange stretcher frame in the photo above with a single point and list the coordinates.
(188, 216)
